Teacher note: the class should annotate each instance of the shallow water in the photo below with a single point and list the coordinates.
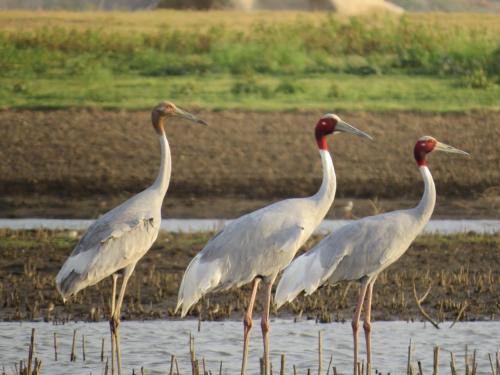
(204, 225)
(151, 343)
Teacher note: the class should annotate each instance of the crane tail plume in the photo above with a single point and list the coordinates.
(200, 278)
(291, 283)
(304, 274)
(179, 304)
(184, 307)
(68, 282)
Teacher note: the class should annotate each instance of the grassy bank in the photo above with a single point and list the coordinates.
(324, 92)
(430, 44)
(262, 60)
(459, 269)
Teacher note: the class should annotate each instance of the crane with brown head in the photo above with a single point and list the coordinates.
(166, 109)
(115, 242)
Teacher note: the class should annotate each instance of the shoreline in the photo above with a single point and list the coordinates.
(459, 269)
(441, 227)
(202, 207)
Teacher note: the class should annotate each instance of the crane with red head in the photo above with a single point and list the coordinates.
(257, 246)
(360, 250)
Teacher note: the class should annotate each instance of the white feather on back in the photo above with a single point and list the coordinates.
(199, 278)
(261, 243)
(360, 249)
(306, 273)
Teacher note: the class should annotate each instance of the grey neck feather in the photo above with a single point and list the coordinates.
(163, 179)
(426, 205)
(326, 192)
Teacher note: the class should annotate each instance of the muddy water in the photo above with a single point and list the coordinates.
(203, 225)
(151, 343)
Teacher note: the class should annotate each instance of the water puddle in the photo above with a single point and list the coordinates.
(204, 225)
(151, 343)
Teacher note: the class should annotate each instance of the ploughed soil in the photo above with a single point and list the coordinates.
(460, 273)
(80, 163)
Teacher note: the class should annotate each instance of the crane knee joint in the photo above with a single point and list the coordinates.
(264, 324)
(247, 322)
(367, 326)
(355, 325)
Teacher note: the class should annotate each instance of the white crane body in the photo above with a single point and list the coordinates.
(243, 249)
(116, 240)
(358, 250)
(362, 249)
(257, 246)
(119, 238)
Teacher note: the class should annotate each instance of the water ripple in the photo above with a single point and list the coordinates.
(204, 225)
(151, 343)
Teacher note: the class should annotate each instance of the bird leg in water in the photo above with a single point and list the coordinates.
(112, 323)
(247, 325)
(264, 323)
(355, 323)
(367, 326)
(116, 316)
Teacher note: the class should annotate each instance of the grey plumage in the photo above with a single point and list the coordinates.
(114, 241)
(119, 238)
(358, 250)
(260, 244)
(364, 248)
(361, 249)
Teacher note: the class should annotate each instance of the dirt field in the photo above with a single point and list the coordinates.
(460, 270)
(81, 163)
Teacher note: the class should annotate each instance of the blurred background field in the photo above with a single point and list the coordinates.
(259, 60)
(77, 83)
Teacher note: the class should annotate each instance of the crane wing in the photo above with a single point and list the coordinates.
(257, 244)
(101, 232)
(312, 269)
(112, 242)
(359, 249)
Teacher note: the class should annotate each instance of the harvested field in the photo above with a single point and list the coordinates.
(460, 270)
(79, 163)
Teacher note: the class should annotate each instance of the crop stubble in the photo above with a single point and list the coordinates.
(460, 269)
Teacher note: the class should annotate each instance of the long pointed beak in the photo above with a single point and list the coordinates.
(447, 148)
(189, 116)
(343, 126)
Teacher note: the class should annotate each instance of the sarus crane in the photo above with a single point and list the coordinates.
(258, 245)
(359, 251)
(115, 242)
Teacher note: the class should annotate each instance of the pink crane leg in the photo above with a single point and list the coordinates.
(264, 323)
(367, 325)
(116, 315)
(355, 324)
(111, 323)
(247, 325)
